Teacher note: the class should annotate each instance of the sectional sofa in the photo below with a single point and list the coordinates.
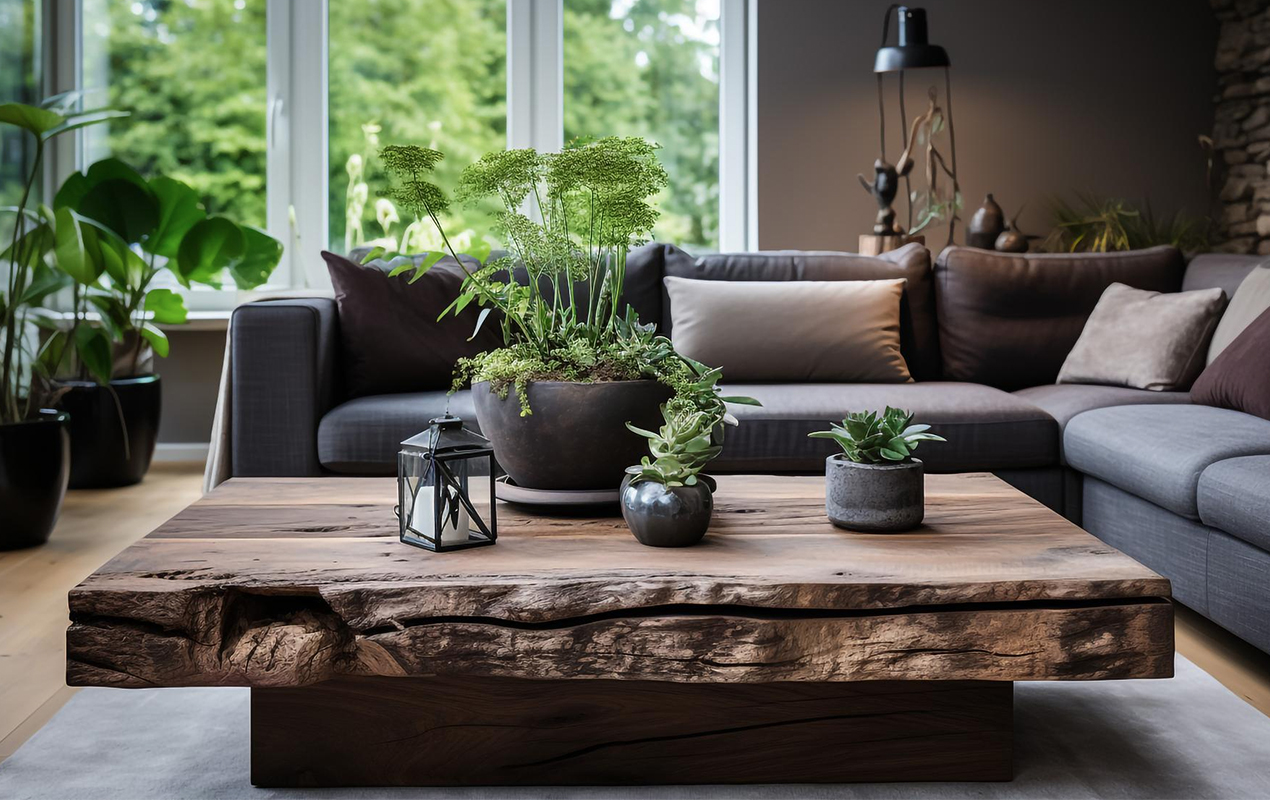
(1183, 488)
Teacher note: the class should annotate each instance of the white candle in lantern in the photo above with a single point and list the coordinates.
(422, 517)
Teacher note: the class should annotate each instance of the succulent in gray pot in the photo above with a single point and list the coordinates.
(875, 484)
(666, 501)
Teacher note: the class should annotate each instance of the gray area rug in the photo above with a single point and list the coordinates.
(1183, 738)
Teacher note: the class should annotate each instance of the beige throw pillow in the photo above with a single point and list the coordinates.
(1145, 340)
(803, 331)
(1250, 300)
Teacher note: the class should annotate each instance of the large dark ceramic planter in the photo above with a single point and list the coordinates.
(576, 437)
(99, 458)
(661, 516)
(34, 464)
(881, 498)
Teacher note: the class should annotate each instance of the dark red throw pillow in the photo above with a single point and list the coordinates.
(1239, 378)
(392, 339)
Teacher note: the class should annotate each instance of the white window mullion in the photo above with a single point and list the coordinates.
(738, 228)
(298, 138)
(535, 74)
(60, 62)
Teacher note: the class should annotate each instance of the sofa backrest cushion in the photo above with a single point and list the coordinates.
(919, 337)
(391, 339)
(1009, 320)
(1225, 271)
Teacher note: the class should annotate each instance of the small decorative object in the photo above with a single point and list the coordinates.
(986, 225)
(666, 502)
(875, 484)
(883, 188)
(912, 51)
(445, 488)
(1012, 240)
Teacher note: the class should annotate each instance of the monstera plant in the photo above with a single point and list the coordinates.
(123, 232)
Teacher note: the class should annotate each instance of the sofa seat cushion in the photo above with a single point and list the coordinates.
(363, 435)
(1234, 496)
(1062, 401)
(987, 429)
(1158, 452)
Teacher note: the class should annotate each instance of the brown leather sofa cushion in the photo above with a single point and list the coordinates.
(919, 336)
(1009, 321)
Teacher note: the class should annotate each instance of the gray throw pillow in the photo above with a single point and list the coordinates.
(1145, 340)
(806, 331)
(1251, 300)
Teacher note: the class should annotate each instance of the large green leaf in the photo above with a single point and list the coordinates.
(207, 249)
(157, 339)
(43, 282)
(32, 245)
(179, 210)
(95, 352)
(75, 250)
(83, 120)
(72, 191)
(125, 207)
(114, 317)
(29, 118)
(261, 254)
(166, 307)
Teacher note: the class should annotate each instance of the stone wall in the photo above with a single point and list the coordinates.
(1241, 128)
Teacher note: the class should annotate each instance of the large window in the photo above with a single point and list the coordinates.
(395, 80)
(20, 38)
(192, 73)
(651, 68)
(274, 109)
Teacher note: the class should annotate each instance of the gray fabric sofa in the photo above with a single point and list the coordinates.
(1182, 488)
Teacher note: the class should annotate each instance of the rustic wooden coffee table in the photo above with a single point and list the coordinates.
(779, 650)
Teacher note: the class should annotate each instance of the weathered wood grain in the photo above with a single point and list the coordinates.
(281, 582)
(492, 731)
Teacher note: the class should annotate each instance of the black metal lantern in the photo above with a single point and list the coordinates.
(445, 488)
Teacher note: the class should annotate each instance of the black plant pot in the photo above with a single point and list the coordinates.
(576, 437)
(35, 458)
(99, 458)
(661, 516)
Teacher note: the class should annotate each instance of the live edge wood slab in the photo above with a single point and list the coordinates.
(780, 649)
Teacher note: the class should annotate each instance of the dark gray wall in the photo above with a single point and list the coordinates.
(1049, 98)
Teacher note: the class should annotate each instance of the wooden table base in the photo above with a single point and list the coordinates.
(377, 731)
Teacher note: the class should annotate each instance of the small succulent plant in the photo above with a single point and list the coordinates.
(680, 449)
(867, 438)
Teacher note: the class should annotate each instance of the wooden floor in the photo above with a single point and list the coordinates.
(95, 525)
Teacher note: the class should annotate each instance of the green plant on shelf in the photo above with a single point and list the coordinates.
(1094, 224)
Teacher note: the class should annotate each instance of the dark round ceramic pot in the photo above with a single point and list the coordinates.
(576, 437)
(661, 516)
(35, 458)
(100, 427)
(877, 498)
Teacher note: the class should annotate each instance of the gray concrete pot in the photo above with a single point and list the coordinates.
(576, 437)
(661, 516)
(876, 498)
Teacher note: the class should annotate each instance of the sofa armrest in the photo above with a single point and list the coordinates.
(282, 374)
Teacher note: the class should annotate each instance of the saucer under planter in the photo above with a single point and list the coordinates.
(98, 457)
(34, 464)
(875, 498)
(663, 516)
(576, 437)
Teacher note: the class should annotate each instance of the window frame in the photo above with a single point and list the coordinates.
(297, 121)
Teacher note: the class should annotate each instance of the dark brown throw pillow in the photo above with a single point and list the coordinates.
(1239, 378)
(392, 339)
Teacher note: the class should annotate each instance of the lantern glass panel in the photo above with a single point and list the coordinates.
(446, 488)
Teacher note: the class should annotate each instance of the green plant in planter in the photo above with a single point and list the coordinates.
(1094, 224)
(29, 279)
(680, 448)
(567, 321)
(869, 438)
(128, 231)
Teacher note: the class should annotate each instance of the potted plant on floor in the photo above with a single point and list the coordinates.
(576, 364)
(666, 501)
(875, 484)
(131, 231)
(34, 442)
